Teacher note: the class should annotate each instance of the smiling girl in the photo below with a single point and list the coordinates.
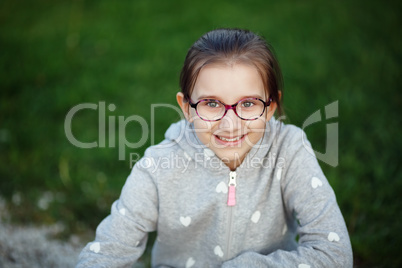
(249, 185)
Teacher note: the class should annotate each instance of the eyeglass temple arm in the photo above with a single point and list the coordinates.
(268, 102)
(192, 105)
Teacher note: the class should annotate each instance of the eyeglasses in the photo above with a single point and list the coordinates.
(214, 110)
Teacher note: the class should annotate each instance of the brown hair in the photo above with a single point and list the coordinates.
(233, 46)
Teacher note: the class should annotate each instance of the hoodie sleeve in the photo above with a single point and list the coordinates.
(121, 237)
(323, 236)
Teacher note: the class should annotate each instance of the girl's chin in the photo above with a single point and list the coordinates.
(232, 155)
(232, 160)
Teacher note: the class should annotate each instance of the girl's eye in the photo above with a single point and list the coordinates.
(212, 104)
(247, 104)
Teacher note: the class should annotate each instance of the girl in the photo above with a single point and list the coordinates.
(229, 186)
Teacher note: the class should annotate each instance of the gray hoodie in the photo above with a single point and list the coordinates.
(207, 216)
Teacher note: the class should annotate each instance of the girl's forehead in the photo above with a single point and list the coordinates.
(228, 83)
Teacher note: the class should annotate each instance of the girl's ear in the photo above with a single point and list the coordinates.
(184, 105)
(271, 110)
(272, 107)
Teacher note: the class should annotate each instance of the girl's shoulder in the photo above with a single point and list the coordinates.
(173, 149)
(290, 141)
(286, 134)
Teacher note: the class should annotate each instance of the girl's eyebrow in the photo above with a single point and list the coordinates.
(252, 96)
(217, 98)
(208, 97)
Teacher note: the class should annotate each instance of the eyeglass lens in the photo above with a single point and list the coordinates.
(247, 109)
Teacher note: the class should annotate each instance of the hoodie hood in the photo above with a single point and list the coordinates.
(183, 134)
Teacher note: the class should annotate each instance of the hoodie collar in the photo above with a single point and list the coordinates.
(184, 135)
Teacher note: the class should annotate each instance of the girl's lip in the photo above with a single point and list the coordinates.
(229, 141)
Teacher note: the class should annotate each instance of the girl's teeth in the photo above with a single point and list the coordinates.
(225, 139)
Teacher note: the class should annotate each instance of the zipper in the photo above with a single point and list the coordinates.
(231, 203)
(232, 189)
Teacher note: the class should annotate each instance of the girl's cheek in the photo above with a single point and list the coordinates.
(256, 125)
(203, 129)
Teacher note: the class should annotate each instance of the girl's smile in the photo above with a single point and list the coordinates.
(228, 141)
(231, 137)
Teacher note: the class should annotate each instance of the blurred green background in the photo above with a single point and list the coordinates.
(55, 55)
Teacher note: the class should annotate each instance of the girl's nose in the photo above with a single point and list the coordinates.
(230, 121)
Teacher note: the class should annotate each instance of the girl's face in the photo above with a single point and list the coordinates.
(230, 138)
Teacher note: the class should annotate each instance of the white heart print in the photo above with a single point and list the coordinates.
(122, 211)
(333, 237)
(279, 174)
(95, 247)
(315, 182)
(256, 216)
(302, 265)
(222, 188)
(185, 221)
(218, 251)
(190, 262)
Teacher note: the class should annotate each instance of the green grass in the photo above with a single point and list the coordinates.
(54, 56)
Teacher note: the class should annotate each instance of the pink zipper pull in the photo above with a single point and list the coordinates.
(232, 189)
